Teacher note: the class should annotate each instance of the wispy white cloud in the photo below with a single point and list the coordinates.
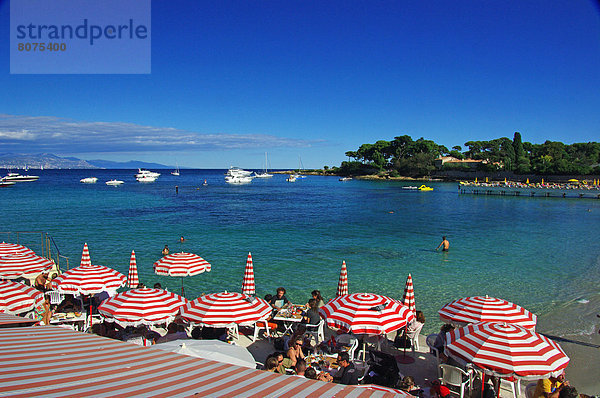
(52, 134)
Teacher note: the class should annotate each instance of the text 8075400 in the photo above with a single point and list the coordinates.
(42, 46)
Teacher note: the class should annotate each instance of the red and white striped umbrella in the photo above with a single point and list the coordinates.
(13, 248)
(181, 264)
(16, 298)
(343, 281)
(132, 276)
(85, 256)
(224, 309)
(503, 349)
(88, 279)
(26, 265)
(366, 313)
(141, 307)
(248, 286)
(409, 295)
(486, 309)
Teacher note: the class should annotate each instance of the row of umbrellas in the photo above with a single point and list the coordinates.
(498, 338)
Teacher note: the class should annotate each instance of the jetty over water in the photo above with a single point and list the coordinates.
(531, 190)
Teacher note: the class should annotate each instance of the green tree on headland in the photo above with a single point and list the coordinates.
(405, 156)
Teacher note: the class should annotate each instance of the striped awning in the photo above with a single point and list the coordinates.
(8, 320)
(78, 364)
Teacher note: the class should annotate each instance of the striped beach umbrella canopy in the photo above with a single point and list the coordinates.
(409, 294)
(248, 286)
(13, 248)
(88, 279)
(504, 349)
(16, 298)
(85, 256)
(225, 309)
(366, 313)
(26, 265)
(486, 309)
(181, 264)
(132, 276)
(342, 288)
(141, 307)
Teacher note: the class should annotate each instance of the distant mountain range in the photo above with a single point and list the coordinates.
(50, 161)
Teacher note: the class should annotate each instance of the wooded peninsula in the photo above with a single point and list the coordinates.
(404, 156)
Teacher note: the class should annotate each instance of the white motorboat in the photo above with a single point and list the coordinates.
(235, 175)
(146, 173)
(264, 174)
(89, 180)
(146, 178)
(238, 179)
(114, 182)
(291, 178)
(410, 187)
(16, 177)
(4, 184)
(345, 178)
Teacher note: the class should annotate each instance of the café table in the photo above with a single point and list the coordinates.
(290, 317)
(75, 319)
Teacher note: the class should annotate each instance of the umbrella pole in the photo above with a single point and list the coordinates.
(182, 292)
(404, 359)
(90, 298)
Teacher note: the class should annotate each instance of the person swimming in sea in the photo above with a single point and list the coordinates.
(445, 245)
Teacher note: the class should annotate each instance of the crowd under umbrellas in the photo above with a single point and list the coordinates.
(489, 331)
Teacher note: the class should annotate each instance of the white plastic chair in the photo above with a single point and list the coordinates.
(515, 386)
(453, 376)
(56, 297)
(234, 331)
(430, 343)
(363, 368)
(318, 334)
(257, 328)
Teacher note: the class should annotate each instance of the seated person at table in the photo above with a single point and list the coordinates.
(300, 368)
(316, 294)
(440, 341)
(413, 329)
(347, 374)
(312, 316)
(279, 358)
(174, 332)
(408, 384)
(271, 364)
(279, 300)
(551, 387)
(294, 353)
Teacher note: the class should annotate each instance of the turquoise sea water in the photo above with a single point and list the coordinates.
(542, 253)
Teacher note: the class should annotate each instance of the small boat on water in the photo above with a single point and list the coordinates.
(291, 178)
(264, 174)
(114, 183)
(89, 180)
(425, 188)
(175, 172)
(16, 177)
(146, 178)
(5, 184)
(410, 187)
(235, 175)
(345, 179)
(142, 173)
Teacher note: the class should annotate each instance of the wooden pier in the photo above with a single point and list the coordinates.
(530, 191)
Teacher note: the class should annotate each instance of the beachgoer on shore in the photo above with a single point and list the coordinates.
(445, 245)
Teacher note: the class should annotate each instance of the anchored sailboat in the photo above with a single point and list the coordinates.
(264, 174)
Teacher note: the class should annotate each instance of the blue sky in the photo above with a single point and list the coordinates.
(313, 79)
